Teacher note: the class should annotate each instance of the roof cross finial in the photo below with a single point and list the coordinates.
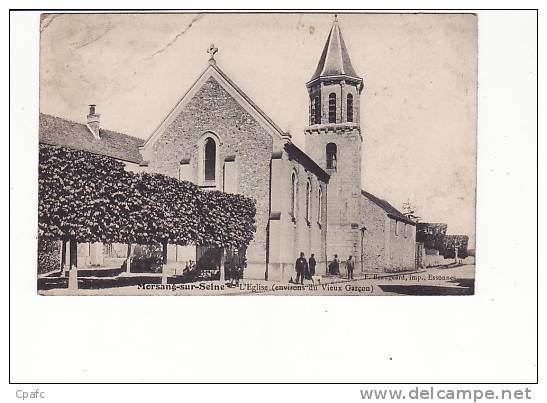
(212, 50)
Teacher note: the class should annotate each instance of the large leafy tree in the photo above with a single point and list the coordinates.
(432, 235)
(85, 197)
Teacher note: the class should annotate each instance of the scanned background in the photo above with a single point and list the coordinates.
(489, 337)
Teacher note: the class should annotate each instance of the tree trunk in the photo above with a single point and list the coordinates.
(73, 254)
(164, 252)
(63, 257)
(128, 259)
(164, 263)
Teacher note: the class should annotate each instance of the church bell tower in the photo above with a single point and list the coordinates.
(334, 140)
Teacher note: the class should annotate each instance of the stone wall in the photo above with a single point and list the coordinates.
(402, 245)
(374, 242)
(90, 254)
(385, 247)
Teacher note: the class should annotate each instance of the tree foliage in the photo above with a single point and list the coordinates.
(226, 220)
(452, 241)
(81, 196)
(88, 198)
(168, 212)
(432, 235)
(48, 255)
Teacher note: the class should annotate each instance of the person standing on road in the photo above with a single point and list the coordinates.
(311, 265)
(350, 265)
(301, 267)
(334, 266)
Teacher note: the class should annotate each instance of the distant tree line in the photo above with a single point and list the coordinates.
(84, 197)
(433, 236)
(451, 241)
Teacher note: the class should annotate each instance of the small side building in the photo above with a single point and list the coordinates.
(388, 237)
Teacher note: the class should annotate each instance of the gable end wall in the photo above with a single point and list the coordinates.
(213, 109)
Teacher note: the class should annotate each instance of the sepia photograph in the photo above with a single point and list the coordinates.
(257, 154)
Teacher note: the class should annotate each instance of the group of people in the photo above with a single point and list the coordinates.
(334, 267)
(305, 269)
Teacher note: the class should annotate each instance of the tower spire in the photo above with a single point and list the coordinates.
(334, 60)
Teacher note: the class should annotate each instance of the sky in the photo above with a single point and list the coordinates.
(418, 108)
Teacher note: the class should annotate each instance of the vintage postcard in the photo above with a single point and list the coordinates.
(257, 154)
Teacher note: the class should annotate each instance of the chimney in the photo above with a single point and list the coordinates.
(93, 121)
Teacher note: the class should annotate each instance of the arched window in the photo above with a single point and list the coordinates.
(308, 201)
(209, 160)
(294, 184)
(320, 205)
(349, 107)
(332, 108)
(316, 111)
(331, 156)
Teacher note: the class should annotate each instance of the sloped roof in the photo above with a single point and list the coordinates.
(213, 71)
(62, 132)
(391, 211)
(334, 60)
(306, 161)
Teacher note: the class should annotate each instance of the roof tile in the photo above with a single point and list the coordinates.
(388, 208)
(334, 60)
(62, 132)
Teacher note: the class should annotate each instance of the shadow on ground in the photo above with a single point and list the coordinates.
(466, 287)
(86, 282)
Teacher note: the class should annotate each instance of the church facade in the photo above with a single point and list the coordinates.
(219, 139)
(307, 201)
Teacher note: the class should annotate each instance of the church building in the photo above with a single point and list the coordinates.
(307, 201)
